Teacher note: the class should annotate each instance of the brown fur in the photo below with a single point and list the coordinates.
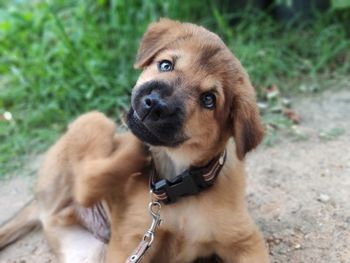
(216, 221)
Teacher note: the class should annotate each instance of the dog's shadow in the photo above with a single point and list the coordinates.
(212, 259)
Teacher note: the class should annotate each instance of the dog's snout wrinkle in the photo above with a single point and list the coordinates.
(157, 113)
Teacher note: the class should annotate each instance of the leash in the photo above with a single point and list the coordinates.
(147, 240)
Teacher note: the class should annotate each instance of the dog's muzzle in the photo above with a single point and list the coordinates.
(157, 114)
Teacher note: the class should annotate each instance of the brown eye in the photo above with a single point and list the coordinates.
(165, 65)
(208, 100)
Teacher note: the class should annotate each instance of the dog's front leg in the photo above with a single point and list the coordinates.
(250, 250)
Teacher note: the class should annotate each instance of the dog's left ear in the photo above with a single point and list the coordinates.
(157, 36)
(248, 130)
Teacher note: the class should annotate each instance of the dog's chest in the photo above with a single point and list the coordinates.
(189, 223)
(191, 235)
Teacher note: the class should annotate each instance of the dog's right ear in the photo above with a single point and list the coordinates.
(155, 39)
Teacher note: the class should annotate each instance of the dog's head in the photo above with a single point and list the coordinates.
(192, 94)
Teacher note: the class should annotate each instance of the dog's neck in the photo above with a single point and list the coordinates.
(169, 165)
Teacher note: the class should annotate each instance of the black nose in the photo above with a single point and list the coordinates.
(153, 107)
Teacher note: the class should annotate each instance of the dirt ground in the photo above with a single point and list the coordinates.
(298, 190)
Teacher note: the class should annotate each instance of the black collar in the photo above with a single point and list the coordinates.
(190, 182)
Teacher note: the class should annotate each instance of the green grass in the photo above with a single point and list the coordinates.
(59, 59)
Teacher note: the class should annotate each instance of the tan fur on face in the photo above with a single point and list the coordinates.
(203, 63)
(216, 221)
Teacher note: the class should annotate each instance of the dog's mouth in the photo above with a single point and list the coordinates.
(140, 130)
(161, 134)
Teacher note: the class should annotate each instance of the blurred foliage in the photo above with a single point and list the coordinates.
(340, 4)
(61, 58)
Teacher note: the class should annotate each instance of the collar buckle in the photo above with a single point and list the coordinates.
(190, 182)
(187, 183)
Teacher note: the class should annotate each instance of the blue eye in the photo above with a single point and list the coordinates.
(165, 65)
(208, 100)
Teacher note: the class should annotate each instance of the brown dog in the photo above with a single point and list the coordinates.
(191, 97)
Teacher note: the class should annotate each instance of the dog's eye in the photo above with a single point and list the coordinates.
(165, 65)
(208, 100)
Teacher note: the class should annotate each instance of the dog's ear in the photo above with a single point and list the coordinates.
(155, 39)
(248, 130)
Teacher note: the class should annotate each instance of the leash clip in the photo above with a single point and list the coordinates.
(147, 240)
(154, 210)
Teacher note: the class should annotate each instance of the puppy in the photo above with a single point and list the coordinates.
(192, 96)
